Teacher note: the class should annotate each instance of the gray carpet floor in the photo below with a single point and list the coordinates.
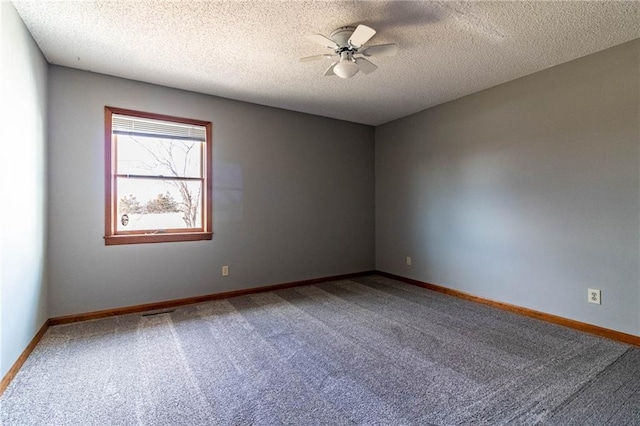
(367, 351)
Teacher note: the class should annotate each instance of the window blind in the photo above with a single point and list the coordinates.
(133, 126)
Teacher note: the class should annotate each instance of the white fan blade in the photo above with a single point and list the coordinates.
(316, 57)
(361, 35)
(329, 72)
(380, 50)
(365, 66)
(320, 39)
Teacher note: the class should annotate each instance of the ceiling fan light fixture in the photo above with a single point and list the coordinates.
(346, 68)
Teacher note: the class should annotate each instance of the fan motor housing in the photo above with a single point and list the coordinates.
(341, 36)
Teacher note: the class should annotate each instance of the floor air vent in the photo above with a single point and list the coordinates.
(149, 314)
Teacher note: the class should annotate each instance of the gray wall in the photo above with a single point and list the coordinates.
(23, 282)
(293, 198)
(526, 193)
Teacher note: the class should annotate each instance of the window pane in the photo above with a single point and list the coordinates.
(156, 204)
(141, 155)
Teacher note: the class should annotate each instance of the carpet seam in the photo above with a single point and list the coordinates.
(586, 384)
(623, 404)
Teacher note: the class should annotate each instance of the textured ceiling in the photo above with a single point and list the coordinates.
(249, 50)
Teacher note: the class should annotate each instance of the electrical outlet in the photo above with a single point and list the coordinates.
(225, 271)
(594, 296)
(408, 261)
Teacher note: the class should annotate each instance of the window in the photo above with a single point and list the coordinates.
(158, 178)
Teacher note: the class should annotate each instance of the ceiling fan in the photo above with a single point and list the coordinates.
(346, 42)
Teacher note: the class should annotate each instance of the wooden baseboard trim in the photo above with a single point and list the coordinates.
(4, 383)
(578, 325)
(198, 299)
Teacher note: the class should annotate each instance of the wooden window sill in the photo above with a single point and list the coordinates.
(112, 240)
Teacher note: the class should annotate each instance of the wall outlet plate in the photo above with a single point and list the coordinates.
(594, 296)
(408, 261)
(225, 271)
